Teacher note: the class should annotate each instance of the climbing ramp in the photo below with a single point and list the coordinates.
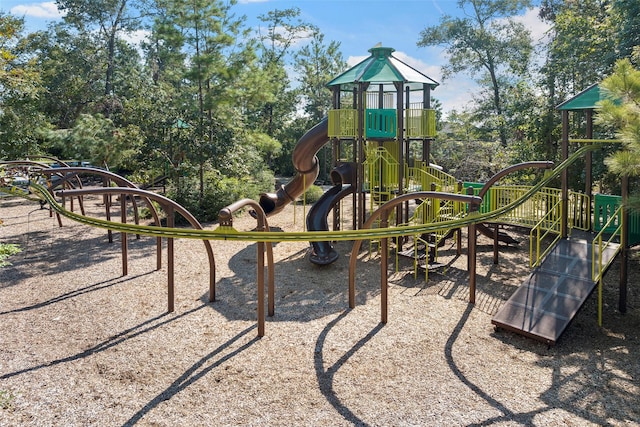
(544, 305)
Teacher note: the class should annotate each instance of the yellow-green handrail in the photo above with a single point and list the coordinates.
(597, 249)
(551, 223)
(311, 236)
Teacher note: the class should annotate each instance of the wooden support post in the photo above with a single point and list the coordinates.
(107, 206)
(565, 176)
(588, 178)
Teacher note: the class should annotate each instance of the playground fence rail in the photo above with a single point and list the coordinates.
(550, 223)
(599, 247)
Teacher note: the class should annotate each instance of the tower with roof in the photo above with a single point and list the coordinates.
(381, 108)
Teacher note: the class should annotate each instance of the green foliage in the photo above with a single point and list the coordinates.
(313, 194)
(470, 160)
(317, 64)
(6, 399)
(145, 211)
(6, 250)
(489, 44)
(620, 111)
(20, 89)
(276, 40)
(219, 191)
(96, 139)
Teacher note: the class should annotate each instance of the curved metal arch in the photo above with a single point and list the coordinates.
(382, 213)
(171, 207)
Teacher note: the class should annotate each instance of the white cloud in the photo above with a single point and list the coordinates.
(534, 24)
(45, 10)
(135, 37)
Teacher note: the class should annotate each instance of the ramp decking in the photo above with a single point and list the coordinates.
(543, 306)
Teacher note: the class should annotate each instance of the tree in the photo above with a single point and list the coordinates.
(215, 63)
(621, 111)
(71, 73)
(487, 42)
(585, 40)
(106, 19)
(625, 20)
(20, 88)
(95, 138)
(581, 49)
(316, 64)
(17, 75)
(284, 29)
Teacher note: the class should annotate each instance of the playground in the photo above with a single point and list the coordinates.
(428, 301)
(83, 345)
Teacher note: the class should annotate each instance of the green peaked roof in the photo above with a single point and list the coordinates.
(585, 100)
(382, 68)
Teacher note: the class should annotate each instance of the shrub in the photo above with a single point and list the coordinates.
(6, 250)
(313, 194)
(219, 192)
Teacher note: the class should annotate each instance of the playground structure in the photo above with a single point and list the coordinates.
(409, 200)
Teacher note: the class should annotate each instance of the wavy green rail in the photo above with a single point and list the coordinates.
(229, 233)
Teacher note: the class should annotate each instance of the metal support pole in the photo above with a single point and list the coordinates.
(624, 261)
(472, 256)
(170, 263)
(123, 236)
(384, 264)
(260, 274)
(565, 175)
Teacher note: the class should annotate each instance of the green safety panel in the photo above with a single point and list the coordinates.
(486, 201)
(380, 123)
(604, 206)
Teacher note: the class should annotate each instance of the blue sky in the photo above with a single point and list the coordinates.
(357, 24)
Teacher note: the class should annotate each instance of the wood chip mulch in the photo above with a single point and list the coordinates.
(82, 345)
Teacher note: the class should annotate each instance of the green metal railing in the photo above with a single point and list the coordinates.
(343, 123)
(604, 208)
(420, 177)
(382, 123)
(381, 175)
(599, 246)
(420, 123)
(549, 225)
(536, 207)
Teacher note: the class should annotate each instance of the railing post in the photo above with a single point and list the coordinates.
(471, 261)
(384, 264)
(170, 261)
(624, 264)
(123, 235)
